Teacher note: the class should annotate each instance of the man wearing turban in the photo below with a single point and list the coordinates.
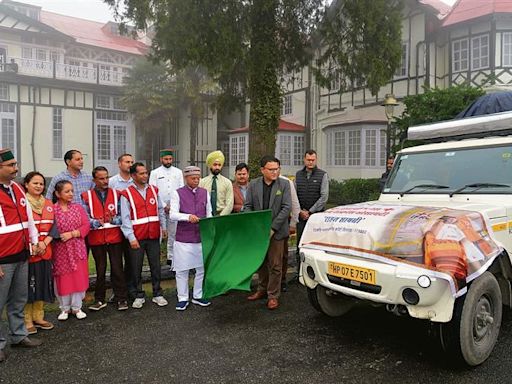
(219, 187)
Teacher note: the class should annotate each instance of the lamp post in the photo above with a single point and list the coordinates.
(389, 105)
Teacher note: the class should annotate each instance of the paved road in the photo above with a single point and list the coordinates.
(235, 341)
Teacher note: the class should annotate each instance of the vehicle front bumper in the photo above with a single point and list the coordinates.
(435, 302)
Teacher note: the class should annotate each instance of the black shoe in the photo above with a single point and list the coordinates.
(27, 343)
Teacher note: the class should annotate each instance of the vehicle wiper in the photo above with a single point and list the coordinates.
(425, 186)
(478, 186)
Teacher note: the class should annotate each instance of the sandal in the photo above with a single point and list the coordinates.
(46, 325)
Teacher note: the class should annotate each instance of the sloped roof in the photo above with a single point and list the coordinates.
(284, 126)
(442, 9)
(91, 33)
(464, 10)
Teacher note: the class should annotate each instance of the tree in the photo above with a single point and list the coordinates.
(150, 95)
(433, 105)
(246, 46)
(154, 94)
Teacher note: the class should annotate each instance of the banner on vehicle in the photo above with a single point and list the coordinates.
(458, 244)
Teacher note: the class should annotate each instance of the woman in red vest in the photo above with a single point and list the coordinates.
(70, 268)
(40, 285)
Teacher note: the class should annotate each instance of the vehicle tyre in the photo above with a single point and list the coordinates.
(473, 331)
(328, 302)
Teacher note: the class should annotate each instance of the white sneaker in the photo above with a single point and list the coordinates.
(63, 316)
(80, 314)
(137, 303)
(160, 301)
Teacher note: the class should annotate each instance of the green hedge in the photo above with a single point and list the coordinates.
(352, 191)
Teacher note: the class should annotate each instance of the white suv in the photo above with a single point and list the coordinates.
(437, 243)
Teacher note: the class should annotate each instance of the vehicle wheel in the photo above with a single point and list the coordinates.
(330, 303)
(471, 335)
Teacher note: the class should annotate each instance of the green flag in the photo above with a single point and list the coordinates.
(234, 247)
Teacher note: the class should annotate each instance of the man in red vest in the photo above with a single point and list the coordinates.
(17, 233)
(143, 223)
(102, 205)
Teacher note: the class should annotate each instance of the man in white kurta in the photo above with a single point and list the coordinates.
(188, 205)
(167, 179)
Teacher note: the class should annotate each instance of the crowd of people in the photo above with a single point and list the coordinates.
(45, 240)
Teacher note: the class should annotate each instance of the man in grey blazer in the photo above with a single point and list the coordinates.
(271, 192)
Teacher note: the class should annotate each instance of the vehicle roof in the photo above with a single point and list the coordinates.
(474, 126)
(459, 144)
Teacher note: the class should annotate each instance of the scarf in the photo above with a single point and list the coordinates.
(36, 203)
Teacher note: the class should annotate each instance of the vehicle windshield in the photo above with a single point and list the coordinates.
(482, 170)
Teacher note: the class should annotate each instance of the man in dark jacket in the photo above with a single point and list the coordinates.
(312, 185)
(271, 192)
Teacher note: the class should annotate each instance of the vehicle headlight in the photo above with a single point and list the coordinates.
(424, 281)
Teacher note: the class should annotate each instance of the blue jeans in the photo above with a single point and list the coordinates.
(13, 296)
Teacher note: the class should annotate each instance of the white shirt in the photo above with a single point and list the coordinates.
(167, 180)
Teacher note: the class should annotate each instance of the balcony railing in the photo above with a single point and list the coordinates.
(49, 69)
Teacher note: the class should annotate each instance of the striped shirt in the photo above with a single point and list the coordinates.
(81, 182)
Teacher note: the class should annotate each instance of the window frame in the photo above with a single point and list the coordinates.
(404, 62)
(59, 131)
(342, 149)
(460, 60)
(480, 57)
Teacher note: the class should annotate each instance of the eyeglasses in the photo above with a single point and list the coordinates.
(12, 165)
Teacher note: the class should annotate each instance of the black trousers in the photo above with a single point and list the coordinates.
(128, 267)
(114, 251)
(152, 250)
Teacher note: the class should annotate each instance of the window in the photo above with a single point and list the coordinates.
(402, 68)
(354, 147)
(55, 56)
(237, 149)
(41, 54)
(507, 49)
(365, 146)
(371, 148)
(287, 105)
(285, 149)
(111, 137)
(339, 148)
(119, 140)
(8, 134)
(8, 126)
(290, 149)
(103, 144)
(26, 53)
(480, 52)
(4, 91)
(460, 55)
(103, 101)
(57, 133)
(298, 149)
(116, 103)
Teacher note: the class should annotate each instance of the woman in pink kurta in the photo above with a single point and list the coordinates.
(70, 268)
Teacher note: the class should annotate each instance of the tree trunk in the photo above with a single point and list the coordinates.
(263, 85)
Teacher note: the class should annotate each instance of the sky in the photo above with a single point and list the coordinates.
(95, 10)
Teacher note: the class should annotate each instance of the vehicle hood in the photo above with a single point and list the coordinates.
(456, 240)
